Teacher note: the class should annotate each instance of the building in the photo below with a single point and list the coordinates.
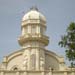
(34, 58)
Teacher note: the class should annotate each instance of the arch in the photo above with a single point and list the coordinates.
(15, 54)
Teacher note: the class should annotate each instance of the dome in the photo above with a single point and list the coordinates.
(33, 14)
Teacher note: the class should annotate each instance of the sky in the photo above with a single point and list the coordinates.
(59, 14)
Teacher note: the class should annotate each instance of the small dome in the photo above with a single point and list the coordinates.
(33, 14)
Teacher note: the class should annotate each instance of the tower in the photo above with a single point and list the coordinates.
(33, 40)
(33, 58)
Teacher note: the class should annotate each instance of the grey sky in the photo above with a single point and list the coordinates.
(59, 13)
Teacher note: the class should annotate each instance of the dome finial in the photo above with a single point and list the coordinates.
(34, 8)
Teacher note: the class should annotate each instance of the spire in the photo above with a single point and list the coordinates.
(34, 8)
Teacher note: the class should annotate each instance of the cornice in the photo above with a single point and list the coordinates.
(33, 37)
(12, 55)
(33, 21)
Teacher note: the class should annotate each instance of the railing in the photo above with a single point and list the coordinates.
(6, 72)
(34, 35)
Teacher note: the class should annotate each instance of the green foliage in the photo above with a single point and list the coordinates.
(68, 42)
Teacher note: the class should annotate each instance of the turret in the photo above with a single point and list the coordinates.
(33, 40)
(33, 28)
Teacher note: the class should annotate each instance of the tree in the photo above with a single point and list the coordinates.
(68, 42)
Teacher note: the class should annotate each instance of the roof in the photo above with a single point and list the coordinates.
(33, 14)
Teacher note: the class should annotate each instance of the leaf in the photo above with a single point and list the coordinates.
(68, 42)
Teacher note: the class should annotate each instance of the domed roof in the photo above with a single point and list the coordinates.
(33, 14)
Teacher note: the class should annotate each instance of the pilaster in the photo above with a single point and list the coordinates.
(28, 66)
(37, 60)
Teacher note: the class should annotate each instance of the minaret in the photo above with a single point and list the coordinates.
(33, 40)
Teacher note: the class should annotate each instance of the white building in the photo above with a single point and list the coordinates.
(34, 58)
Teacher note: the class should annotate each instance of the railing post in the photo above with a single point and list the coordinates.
(25, 73)
(51, 71)
(2, 73)
(17, 73)
(43, 73)
(65, 73)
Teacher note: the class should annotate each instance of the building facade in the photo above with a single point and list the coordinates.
(33, 58)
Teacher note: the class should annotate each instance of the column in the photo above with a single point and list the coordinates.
(29, 28)
(38, 28)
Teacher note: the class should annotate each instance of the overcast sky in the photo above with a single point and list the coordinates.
(59, 14)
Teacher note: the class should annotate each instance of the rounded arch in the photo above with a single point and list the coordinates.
(14, 54)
